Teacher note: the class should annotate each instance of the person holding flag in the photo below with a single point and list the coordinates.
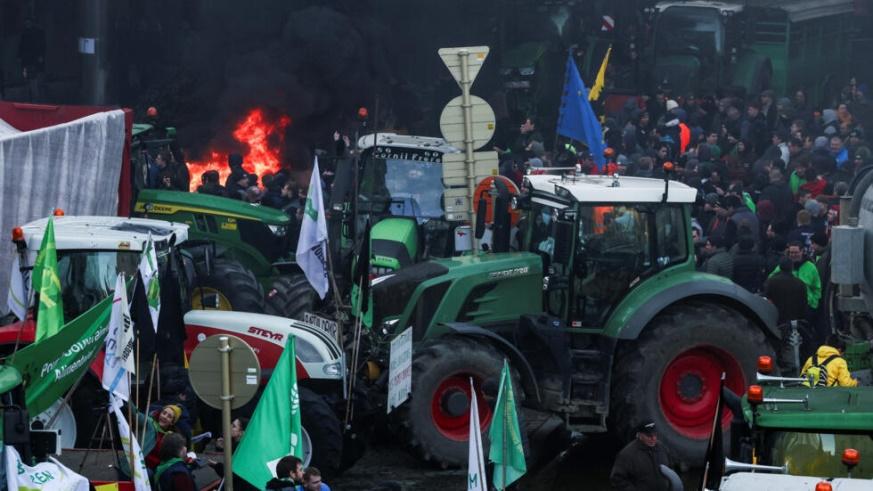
(312, 243)
(277, 414)
(507, 449)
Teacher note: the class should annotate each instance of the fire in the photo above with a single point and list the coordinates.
(264, 139)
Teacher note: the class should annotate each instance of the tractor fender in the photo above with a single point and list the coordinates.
(528, 378)
(628, 322)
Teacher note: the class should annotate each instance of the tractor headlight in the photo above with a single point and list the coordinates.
(278, 230)
(333, 369)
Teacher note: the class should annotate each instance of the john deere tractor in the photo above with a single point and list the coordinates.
(250, 245)
(601, 314)
(394, 184)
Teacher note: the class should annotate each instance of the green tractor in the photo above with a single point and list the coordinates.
(788, 436)
(251, 245)
(601, 314)
(394, 185)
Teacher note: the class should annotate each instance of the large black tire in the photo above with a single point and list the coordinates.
(88, 403)
(670, 374)
(235, 286)
(291, 297)
(324, 430)
(440, 370)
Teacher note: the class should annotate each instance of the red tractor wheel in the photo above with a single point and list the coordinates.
(436, 419)
(671, 374)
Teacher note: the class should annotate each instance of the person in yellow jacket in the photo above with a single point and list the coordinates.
(828, 359)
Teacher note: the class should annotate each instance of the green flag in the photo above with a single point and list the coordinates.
(50, 312)
(51, 367)
(507, 450)
(274, 430)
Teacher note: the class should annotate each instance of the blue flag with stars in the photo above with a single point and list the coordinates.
(576, 119)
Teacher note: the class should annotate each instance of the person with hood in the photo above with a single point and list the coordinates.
(289, 470)
(749, 266)
(173, 474)
(830, 357)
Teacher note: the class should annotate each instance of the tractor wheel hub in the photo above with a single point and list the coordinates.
(456, 403)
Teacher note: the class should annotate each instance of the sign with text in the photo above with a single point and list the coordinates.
(400, 370)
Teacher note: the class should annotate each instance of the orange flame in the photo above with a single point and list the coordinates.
(264, 139)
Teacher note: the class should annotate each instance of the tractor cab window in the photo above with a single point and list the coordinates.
(672, 242)
(88, 276)
(613, 250)
(689, 30)
(402, 182)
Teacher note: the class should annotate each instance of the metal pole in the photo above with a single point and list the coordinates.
(226, 398)
(469, 159)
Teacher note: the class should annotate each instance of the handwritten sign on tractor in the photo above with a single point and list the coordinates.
(400, 370)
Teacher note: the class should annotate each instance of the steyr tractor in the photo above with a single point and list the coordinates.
(601, 314)
(91, 253)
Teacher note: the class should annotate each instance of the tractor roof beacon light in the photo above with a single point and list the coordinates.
(58, 212)
(851, 458)
(668, 168)
(823, 486)
(152, 112)
(765, 364)
(17, 234)
(363, 113)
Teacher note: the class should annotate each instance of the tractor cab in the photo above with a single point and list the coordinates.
(401, 194)
(92, 251)
(599, 237)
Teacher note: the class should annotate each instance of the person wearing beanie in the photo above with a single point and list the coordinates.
(156, 426)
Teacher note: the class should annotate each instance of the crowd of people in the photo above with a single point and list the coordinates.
(769, 173)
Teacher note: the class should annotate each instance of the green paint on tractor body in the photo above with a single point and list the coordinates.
(810, 433)
(256, 236)
(393, 244)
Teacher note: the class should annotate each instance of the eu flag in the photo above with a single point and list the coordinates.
(576, 119)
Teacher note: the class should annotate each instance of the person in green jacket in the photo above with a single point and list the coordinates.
(805, 271)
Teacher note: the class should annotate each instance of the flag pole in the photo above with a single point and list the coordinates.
(129, 419)
(149, 394)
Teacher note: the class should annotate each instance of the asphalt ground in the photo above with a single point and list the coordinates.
(390, 467)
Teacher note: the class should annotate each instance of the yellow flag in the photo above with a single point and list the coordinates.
(600, 81)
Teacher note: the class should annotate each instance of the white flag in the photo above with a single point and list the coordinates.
(140, 474)
(17, 299)
(312, 244)
(118, 358)
(476, 461)
(148, 269)
(48, 476)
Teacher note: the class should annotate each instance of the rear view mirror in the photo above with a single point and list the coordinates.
(480, 218)
(563, 241)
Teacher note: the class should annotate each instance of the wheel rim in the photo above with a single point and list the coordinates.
(307, 447)
(197, 297)
(451, 422)
(65, 421)
(689, 389)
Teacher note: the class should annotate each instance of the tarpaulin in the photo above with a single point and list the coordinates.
(73, 166)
